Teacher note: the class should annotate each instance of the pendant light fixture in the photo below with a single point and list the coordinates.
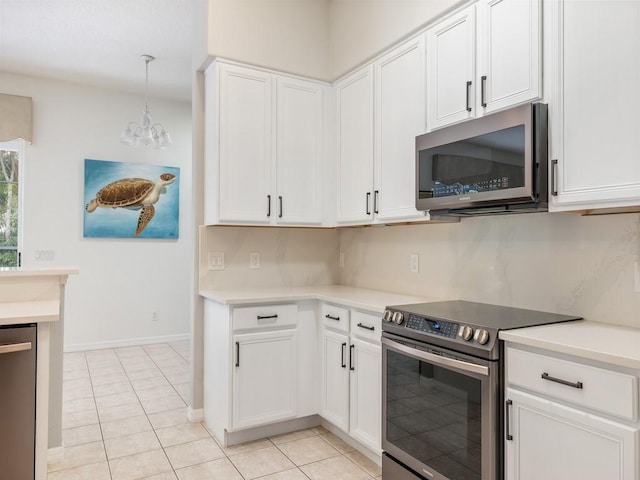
(146, 134)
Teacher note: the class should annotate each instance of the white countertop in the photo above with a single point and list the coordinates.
(365, 299)
(37, 272)
(603, 342)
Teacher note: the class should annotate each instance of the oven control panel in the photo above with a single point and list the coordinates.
(435, 327)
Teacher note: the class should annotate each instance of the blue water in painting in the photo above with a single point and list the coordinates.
(122, 222)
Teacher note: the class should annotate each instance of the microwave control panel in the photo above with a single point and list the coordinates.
(435, 327)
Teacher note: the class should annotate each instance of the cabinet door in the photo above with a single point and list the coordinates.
(510, 59)
(555, 442)
(299, 151)
(399, 117)
(264, 378)
(354, 147)
(595, 103)
(245, 145)
(365, 393)
(451, 82)
(334, 405)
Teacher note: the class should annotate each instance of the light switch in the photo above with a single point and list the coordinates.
(254, 260)
(216, 261)
(414, 263)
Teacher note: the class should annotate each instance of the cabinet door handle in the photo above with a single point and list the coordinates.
(265, 317)
(366, 327)
(546, 376)
(330, 317)
(15, 347)
(554, 181)
(507, 421)
(368, 198)
(237, 354)
(483, 88)
(351, 347)
(344, 347)
(280, 201)
(268, 206)
(469, 83)
(375, 201)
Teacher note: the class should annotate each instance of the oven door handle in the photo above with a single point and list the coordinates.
(437, 359)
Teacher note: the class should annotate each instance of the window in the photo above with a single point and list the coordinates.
(11, 158)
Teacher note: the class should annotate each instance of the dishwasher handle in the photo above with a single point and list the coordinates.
(14, 347)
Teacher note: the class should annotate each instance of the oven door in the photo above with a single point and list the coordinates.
(439, 411)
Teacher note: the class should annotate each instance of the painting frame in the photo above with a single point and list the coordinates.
(130, 200)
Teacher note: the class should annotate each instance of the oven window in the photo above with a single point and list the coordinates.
(433, 414)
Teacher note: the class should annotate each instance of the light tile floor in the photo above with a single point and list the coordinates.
(125, 418)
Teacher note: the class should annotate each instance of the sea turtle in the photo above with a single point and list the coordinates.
(134, 194)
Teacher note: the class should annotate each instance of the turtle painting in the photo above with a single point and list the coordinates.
(133, 194)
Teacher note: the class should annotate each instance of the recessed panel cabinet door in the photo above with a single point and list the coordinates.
(554, 442)
(451, 82)
(299, 151)
(334, 403)
(366, 385)
(354, 145)
(594, 110)
(510, 46)
(245, 145)
(264, 378)
(400, 112)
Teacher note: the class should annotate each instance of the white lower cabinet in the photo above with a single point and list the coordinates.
(352, 380)
(556, 442)
(569, 419)
(264, 378)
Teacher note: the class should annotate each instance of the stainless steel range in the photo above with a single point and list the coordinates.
(442, 388)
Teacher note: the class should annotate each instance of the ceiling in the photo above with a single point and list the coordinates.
(99, 42)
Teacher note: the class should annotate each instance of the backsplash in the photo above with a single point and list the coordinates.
(288, 257)
(562, 263)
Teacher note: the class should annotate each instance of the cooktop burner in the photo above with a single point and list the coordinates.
(460, 325)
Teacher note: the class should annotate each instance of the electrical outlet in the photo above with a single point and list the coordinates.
(216, 261)
(45, 255)
(254, 260)
(414, 263)
(341, 260)
(155, 316)
(636, 277)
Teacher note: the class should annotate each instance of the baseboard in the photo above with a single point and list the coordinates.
(242, 436)
(55, 455)
(374, 456)
(129, 342)
(195, 415)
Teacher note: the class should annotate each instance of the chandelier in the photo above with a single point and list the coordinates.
(146, 134)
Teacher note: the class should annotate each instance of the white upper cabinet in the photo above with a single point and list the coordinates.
(264, 147)
(399, 79)
(379, 111)
(509, 53)
(244, 144)
(594, 104)
(484, 58)
(354, 147)
(299, 151)
(451, 59)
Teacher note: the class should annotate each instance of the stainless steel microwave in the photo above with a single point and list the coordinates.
(495, 164)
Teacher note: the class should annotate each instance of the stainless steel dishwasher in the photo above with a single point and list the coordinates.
(17, 402)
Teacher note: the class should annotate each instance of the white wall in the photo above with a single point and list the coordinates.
(561, 263)
(361, 29)
(286, 35)
(121, 281)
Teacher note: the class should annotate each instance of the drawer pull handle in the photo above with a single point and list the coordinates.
(15, 347)
(546, 376)
(507, 421)
(367, 327)
(330, 317)
(344, 347)
(265, 317)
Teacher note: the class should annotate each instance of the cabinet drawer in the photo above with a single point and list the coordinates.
(604, 390)
(335, 317)
(265, 316)
(366, 325)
